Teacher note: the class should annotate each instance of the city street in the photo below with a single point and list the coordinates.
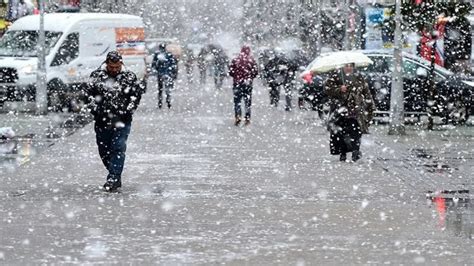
(199, 190)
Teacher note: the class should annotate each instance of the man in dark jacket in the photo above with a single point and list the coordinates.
(202, 63)
(188, 60)
(244, 70)
(457, 44)
(166, 68)
(275, 76)
(114, 95)
(280, 72)
(221, 62)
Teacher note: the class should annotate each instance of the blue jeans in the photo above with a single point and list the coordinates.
(112, 144)
(242, 91)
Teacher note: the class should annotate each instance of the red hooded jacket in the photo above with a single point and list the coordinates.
(243, 68)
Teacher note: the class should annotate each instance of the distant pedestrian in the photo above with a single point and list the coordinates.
(280, 72)
(243, 69)
(352, 109)
(458, 44)
(203, 64)
(114, 94)
(22, 9)
(220, 63)
(274, 77)
(312, 92)
(166, 68)
(188, 60)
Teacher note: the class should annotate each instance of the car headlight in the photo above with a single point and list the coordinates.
(28, 70)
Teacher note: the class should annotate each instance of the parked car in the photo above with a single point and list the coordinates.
(454, 99)
(76, 45)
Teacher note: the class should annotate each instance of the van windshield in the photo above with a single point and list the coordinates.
(22, 43)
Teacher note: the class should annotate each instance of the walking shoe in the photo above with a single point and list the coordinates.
(237, 121)
(112, 185)
(343, 157)
(356, 155)
(159, 105)
(247, 122)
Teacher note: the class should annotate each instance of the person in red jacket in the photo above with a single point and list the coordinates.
(243, 69)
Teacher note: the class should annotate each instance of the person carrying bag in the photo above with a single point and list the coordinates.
(352, 109)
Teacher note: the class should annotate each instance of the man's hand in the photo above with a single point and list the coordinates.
(343, 88)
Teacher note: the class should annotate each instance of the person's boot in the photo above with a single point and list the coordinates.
(112, 185)
(247, 122)
(356, 155)
(237, 120)
(343, 157)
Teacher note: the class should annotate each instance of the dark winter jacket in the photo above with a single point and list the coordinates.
(279, 71)
(165, 64)
(357, 99)
(243, 68)
(458, 42)
(221, 62)
(113, 99)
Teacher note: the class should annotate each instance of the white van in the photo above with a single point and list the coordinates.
(76, 45)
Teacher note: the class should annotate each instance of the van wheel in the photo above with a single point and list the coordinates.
(56, 95)
(77, 100)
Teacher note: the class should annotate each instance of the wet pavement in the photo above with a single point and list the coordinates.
(198, 190)
(34, 134)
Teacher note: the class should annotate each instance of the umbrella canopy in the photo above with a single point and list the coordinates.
(330, 61)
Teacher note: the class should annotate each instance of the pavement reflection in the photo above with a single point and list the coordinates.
(16, 152)
(454, 211)
(36, 137)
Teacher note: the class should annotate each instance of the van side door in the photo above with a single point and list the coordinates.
(97, 39)
(64, 63)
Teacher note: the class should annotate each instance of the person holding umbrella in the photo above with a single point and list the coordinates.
(352, 109)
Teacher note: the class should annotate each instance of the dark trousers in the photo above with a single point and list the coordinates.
(218, 81)
(347, 138)
(288, 96)
(242, 92)
(275, 95)
(165, 83)
(202, 75)
(112, 144)
(189, 72)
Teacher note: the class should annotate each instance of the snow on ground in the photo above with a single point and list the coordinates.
(198, 190)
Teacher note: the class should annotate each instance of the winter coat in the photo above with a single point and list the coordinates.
(425, 48)
(202, 60)
(457, 41)
(313, 91)
(165, 64)
(220, 64)
(277, 71)
(243, 68)
(113, 99)
(357, 99)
